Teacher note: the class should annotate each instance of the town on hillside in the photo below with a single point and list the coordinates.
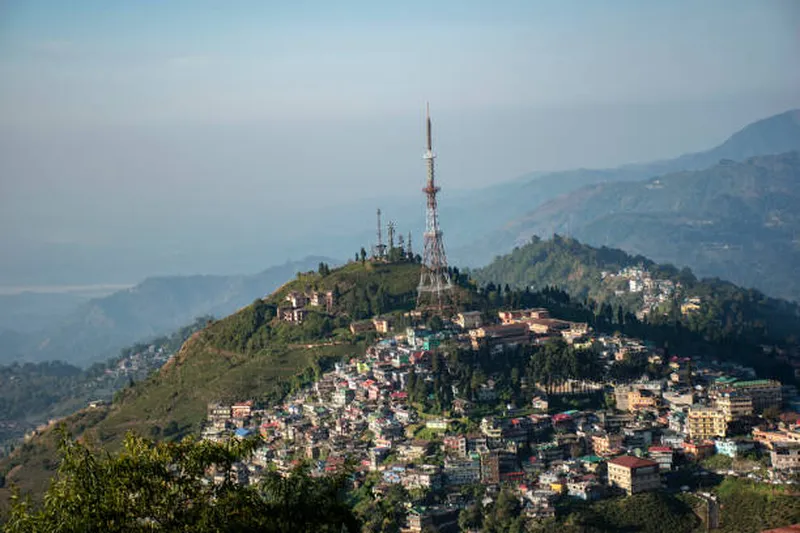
(386, 415)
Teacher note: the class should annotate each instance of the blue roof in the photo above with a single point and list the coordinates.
(243, 432)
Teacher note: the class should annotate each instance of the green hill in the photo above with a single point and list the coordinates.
(248, 355)
(724, 310)
(737, 221)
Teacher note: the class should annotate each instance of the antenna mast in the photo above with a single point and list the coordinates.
(435, 289)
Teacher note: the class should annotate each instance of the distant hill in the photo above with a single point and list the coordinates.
(97, 329)
(477, 224)
(738, 221)
(583, 272)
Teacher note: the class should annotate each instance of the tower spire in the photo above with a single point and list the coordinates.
(380, 247)
(435, 287)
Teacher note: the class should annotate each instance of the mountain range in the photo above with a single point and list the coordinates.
(485, 221)
(96, 329)
(738, 221)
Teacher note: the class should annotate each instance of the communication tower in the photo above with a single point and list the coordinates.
(435, 289)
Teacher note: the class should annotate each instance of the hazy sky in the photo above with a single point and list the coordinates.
(143, 122)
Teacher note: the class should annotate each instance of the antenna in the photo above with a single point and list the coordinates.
(390, 229)
(435, 287)
(380, 248)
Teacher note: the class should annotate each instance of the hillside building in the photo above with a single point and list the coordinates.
(633, 475)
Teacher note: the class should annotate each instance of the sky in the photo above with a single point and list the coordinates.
(134, 130)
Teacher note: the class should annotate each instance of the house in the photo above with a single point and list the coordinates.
(663, 455)
(548, 326)
(242, 410)
(438, 518)
(295, 315)
(633, 475)
(504, 335)
(607, 443)
(468, 319)
(382, 324)
(642, 399)
(732, 448)
(297, 299)
(698, 450)
(456, 444)
(785, 456)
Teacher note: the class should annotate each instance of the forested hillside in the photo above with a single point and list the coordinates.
(737, 221)
(587, 273)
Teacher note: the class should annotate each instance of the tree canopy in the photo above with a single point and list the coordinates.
(159, 486)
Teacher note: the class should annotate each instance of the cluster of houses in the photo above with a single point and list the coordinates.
(296, 303)
(638, 280)
(359, 413)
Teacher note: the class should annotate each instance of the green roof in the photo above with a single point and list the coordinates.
(753, 383)
(591, 459)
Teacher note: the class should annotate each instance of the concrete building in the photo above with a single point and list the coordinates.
(734, 405)
(705, 423)
(765, 393)
(469, 319)
(663, 455)
(785, 456)
(633, 475)
(503, 335)
(607, 443)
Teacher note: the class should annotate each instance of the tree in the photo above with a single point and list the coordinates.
(363, 254)
(162, 487)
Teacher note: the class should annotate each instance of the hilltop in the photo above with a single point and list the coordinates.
(249, 354)
(615, 278)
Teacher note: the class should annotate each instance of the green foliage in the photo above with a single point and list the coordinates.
(32, 393)
(160, 487)
(717, 462)
(732, 324)
(751, 507)
(654, 512)
(380, 515)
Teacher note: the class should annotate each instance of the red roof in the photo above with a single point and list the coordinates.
(629, 461)
(664, 449)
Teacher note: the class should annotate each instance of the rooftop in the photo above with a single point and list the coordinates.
(629, 461)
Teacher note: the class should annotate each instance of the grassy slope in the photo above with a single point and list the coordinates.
(206, 370)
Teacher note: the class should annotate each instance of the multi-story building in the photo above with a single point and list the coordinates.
(705, 423)
(785, 456)
(497, 464)
(642, 399)
(734, 404)
(606, 443)
(469, 319)
(732, 448)
(462, 471)
(503, 335)
(663, 456)
(633, 475)
(765, 393)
